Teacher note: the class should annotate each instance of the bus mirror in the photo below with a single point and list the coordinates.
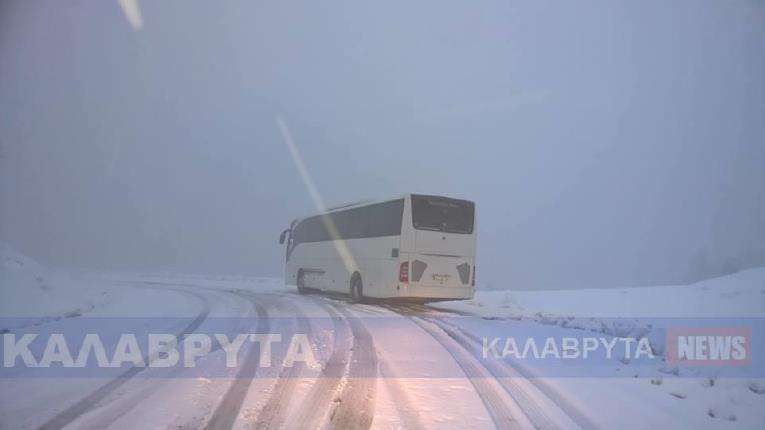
(283, 236)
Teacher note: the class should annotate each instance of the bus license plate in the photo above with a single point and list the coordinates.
(441, 279)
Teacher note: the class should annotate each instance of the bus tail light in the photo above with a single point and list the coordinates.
(464, 272)
(403, 272)
(418, 268)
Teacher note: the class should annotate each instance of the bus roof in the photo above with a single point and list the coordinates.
(362, 203)
(351, 205)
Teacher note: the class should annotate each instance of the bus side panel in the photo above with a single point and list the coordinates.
(326, 269)
(377, 264)
(372, 257)
(312, 258)
(338, 270)
(290, 273)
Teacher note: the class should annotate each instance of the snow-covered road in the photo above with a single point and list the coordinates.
(328, 395)
(299, 397)
(372, 365)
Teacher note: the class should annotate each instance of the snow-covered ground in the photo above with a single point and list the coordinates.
(668, 391)
(421, 356)
(31, 290)
(738, 295)
(35, 294)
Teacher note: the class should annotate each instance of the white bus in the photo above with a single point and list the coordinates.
(416, 247)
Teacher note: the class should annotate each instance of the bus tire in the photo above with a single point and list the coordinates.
(357, 288)
(301, 283)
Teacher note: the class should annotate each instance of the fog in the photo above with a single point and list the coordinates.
(604, 143)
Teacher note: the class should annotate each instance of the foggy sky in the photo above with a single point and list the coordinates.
(605, 143)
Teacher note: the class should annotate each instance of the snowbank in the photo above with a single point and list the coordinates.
(625, 312)
(738, 295)
(41, 295)
(30, 290)
(664, 391)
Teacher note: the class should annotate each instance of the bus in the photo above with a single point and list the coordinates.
(416, 247)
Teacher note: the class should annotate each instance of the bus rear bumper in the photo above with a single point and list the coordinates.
(434, 292)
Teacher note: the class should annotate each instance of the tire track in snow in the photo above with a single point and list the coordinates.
(126, 404)
(357, 400)
(406, 409)
(345, 392)
(327, 385)
(228, 409)
(409, 415)
(503, 410)
(85, 404)
(544, 406)
(273, 413)
(509, 376)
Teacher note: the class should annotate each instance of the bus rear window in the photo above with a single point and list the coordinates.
(442, 214)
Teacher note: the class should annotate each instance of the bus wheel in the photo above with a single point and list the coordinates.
(357, 289)
(301, 283)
